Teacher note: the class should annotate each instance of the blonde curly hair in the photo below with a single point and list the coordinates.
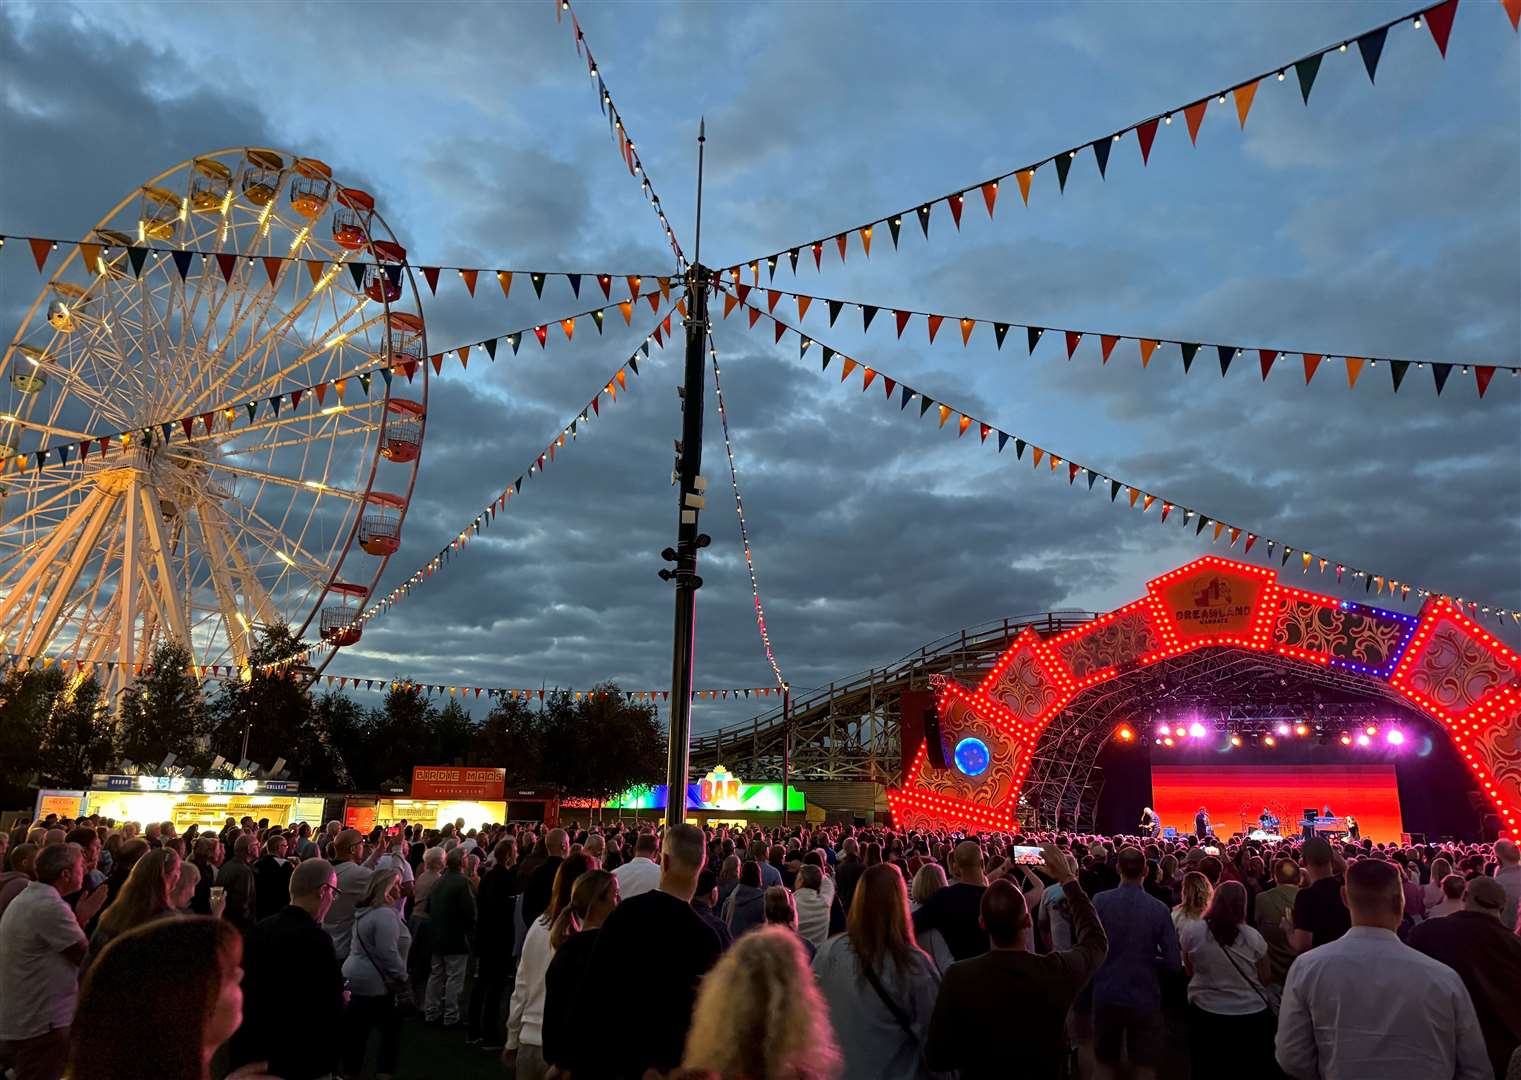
(759, 1015)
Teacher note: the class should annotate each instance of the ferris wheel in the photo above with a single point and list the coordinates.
(200, 509)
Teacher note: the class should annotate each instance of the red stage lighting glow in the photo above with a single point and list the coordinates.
(1126, 735)
(1269, 740)
(1167, 741)
(1363, 740)
(1346, 740)
(1235, 740)
(1371, 729)
(1301, 729)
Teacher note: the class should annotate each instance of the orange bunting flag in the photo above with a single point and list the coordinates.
(966, 422)
(1147, 348)
(866, 240)
(1035, 462)
(1146, 505)
(339, 385)
(934, 325)
(1054, 462)
(1513, 9)
(867, 376)
(569, 326)
(730, 303)
(314, 270)
(1354, 369)
(504, 279)
(754, 313)
(1306, 562)
(772, 296)
(841, 241)
(1108, 342)
(681, 306)
(1311, 362)
(1219, 528)
(1235, 535)
(847, 368)
(945, 414)
(1135, 493)
(622, 378)
(628, 312)
(990, 195)
(1244, 96)
(1024, 179)
(1194, 114)
(469, 277)
(633, 286)
(654, 299)
(665, 287)
(802, 306)
(40, 250)
(272, 264)
(464, 356)
(967, 326)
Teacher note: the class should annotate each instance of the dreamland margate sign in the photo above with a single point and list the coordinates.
(458, 782)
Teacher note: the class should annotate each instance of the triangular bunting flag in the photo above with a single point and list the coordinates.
(1107, 343)
(627, 310)
(1397, 369)
(1265, 358)
(1311, 362)
(314, 270)
(227, 263)
(1035, 458)
(967, 326)
(1371, 45)
(934, 322)
(924, 218)
(1145, 134)
(1063, 166)
(1227, 354)
(907, 395)
(1148, 347)
(469, 278)
(1189, 350)
(41, 249)
(136, 256)
(182, 262)
(1439, 21)
(902, 317)
(1073, 337)
(868, 313)
(990, 195)
(1439, 374)
(1306, 70)
(356, 271)
(1024, 177)
(1244, 96)
(1101, 149)
(272, 264)
(1194, 114)
(828, 356)
(1482, 373)
(1032, 337)
(846, 368)
(835, 307)
(965, 422)
(1354, 369)
(956, 202)
(1000, 331)
(925, 401)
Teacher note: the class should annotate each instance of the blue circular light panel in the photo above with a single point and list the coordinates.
(972, 756)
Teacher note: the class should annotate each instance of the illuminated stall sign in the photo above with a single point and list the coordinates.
(718, 790)
(457, 782)
(196, 785)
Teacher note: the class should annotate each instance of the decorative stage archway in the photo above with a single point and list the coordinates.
(1445, 665)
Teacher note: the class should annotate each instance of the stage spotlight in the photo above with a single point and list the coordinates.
(1235, 740)
(1346, 740)
(1126, 735)
(1371, 729)
(1363, 740)
(1269, 740)
(1301, 729)
(1164, 729)
(1396, 737)
(1159, 740)
(1196, 730)
(1167, 741)
(1283, 729)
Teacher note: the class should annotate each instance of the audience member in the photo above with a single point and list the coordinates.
(376, 972)
(1320, 914)
(1365, 1005)
(451, 923)
(760, 1016)
(978, 995)
(290, 970)
(1231, 1018)
(642, 873)
(347, 849)
(955, 911)
(573, 938)
(1127, 990)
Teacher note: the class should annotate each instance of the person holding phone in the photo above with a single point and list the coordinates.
(978, 995)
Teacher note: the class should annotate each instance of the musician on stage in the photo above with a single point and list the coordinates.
(1201, 823)
(1151, 824)
(1267, 820)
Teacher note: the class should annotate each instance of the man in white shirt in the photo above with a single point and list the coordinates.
(353, 883)
(642, 873)
(1508, 854)
(41, 946)
(1417, 1023)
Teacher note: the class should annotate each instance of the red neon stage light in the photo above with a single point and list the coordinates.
(1215, 602)
(1232, 793)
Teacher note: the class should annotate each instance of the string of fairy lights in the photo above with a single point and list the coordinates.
(739, 508)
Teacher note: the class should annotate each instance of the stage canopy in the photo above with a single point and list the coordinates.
(1440, 662)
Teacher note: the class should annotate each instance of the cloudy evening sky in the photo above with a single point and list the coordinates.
(1380, 221)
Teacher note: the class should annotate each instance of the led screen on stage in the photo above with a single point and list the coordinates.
(1238, 793)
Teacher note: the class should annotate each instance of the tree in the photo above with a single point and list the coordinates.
(270, 707)
(398, 733)
(338, 729)
(623, 744)
(509, 739)
(77, 739)
(25, 697)
(163, 712)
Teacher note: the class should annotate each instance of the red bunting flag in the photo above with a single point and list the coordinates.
(955, 202)
(40, 250)
(430, 275)
(1145, 134)
(1194, 114)
(1482, 373)
(1311, 362)
(934, 326)
(990, 195)
(902, 318)
(1439, 22)
(1266, 358)
(1107, 342)
(1073, 337)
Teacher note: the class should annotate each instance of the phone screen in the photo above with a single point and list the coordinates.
(1027, 856)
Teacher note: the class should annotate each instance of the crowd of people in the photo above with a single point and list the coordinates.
(809, 953)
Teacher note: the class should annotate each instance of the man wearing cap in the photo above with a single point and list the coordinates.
(1487, 956)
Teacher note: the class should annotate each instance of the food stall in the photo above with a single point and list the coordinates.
(442, 794)
(185, 800)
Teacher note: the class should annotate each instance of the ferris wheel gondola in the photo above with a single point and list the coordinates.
(194, 527)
